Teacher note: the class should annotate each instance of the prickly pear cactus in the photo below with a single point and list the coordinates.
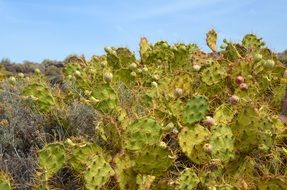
(106, 96)
(192, 141)
(195, 110)
(79, 154)
(52, 158)
(140, 133)
(251, 41)
(223, 114)
(187, 180)
(222, 143)
(211, 38)
(125, 175)
(5, 181)
(42, 96)
(97, 173)
(152, 160)
(176, 118)
(213, 74)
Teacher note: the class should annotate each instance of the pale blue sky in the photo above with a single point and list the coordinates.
(37, 29)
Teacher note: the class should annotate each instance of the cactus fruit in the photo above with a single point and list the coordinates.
(196, 67)
(12, 80)
(207, 148)
(154, 84)
(133, 66)
(97, 173)
(187, 180)
(233, 99)
(77, 73)
(194, 148)
(209, 121)
(211, 39)
(243, 86)
(108, 77)
(133, 74)
(178, 92)
(269, 63)
(239, 80)
(195, 110)
(21, 75)
(37, 71)
(257, 57)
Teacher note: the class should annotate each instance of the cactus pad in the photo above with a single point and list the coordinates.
(195, 110)
(213, 74)
(43, 98)
(5, 181)
(98, 173)
(125, 175)
(142, 132)
(81, 153)
(51, 159)
(152, 160)
(251, 41)
(222, 143)
(211, 38)
(187, 180)
(223, 114)
(192, 140)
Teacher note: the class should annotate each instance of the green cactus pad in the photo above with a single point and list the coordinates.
(192, 140)
(52, 158)
(223, 114)
(198, 58)
(211, 38)
(195, 110)
(120, 57)
(251, 41)
(125, 175)
(278, 95)
(224, 187)
(97, 173)
(5, 181)
(107, 97)
(80, 154)
(43, 98)
(187, 180)
(213, 74)
(230, 52)
(152, 160)
(140, 133)
(252, 131)
(222, 143)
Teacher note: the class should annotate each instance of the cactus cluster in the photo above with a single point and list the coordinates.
(177, 118)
